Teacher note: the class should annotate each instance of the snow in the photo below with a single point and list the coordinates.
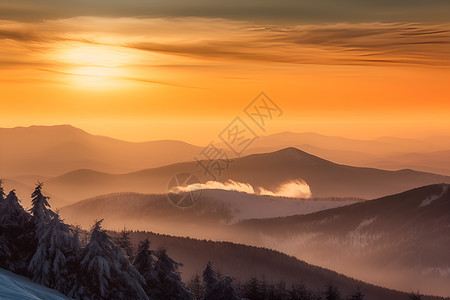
(432, 198)
(13, 286)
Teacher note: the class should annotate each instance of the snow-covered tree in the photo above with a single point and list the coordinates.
(170, 285)
(143, 262)
(218, 288)
(123, 241)
(105, 272)
(16, 235)
(40, 209)
(2, 192)
(195, 285)
(210, 280)
(54, 260)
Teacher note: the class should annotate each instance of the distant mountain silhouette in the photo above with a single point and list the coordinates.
(425, 154)
(54, 150)
(267, 170)
(399, 241)
(378, 146)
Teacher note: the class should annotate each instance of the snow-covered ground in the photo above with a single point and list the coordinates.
(13, 286)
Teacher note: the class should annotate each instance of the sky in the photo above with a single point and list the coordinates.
(145, 70)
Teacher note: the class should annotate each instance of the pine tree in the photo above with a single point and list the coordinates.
(40, 209)
(143, 262)
(2, 192)
(415, 296)
(105, 272)
(252, 289)
(196, 287)
(53, 260)
(331, 292)
(170, 285)
(225, 289)
(17, 242)
(123, 241)
(357, 295)
(218, 288)
(210, 281)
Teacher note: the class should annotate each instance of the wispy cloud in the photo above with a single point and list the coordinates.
(267, 10)
(290, 189)
(209, 40)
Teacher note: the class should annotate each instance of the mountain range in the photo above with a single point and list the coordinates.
(267, 170)
(49, 151)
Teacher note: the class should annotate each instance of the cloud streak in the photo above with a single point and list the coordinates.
(211, 40)
(290, 189)
(268, 10)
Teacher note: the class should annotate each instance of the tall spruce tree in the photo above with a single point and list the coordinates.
(2, 192)
(357, 294)
(54, 260)
(210, 281)
(218, 287)
(252, 289)
(105, 272)
(195, 285)
(331, 292)
(170, 285)
(16, 235)
(123, 241)
(143, 262)
(40, 209)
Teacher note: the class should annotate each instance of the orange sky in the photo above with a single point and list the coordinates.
(187, 78)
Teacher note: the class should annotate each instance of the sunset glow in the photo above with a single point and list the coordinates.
(160, 73)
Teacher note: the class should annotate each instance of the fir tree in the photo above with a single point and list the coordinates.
(123, 241)
(2, 192)
(54, 258)
(170, 285)
(105, 272)
(210, 281)
(196, 287)
(217, 288)
(357, 295)
(225, 289)
(252, 289)
(143, 262)
(17, 242)
(40, 209)
(415, 296)
(331, 292)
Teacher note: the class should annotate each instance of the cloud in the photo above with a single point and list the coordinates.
(268, 10)
(291, 189)
(229, 185)
(208, 41)
(338, 44)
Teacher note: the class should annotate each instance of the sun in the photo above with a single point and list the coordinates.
(95, 66)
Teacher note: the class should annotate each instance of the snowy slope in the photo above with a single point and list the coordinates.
(13, 286)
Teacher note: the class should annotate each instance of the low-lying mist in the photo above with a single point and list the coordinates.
(292, 189)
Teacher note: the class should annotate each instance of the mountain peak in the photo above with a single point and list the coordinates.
(295, 153)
